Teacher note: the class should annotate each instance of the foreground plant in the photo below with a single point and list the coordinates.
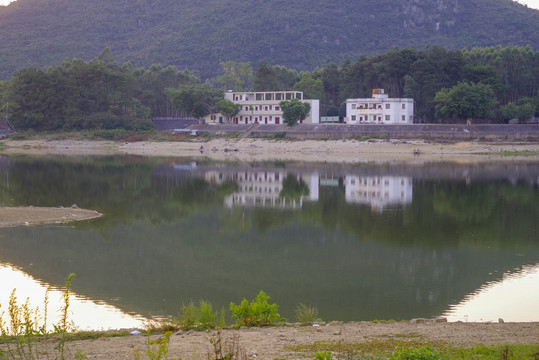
(202, 317)
(306, 315)
(25, 329)
(256, 313)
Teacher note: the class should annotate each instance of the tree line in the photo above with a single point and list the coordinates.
(494, 83)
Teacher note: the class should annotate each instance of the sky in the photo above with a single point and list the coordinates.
(531, 3)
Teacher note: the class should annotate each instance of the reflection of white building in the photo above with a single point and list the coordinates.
(378, 191)
(262, 188)
(380, 109)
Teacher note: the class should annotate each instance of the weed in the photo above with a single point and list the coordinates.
(200, 318)
(24, 330)
(420, 353)
(305, 314)
(227, 349)
(325, 355)
(256, 313)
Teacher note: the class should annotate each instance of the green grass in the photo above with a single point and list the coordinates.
(412, 347)
(525, 153)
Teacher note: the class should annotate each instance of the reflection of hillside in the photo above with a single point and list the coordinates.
(171, 238)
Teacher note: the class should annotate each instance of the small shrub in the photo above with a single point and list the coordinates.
(226, 349)
(325, 355)
(279, 135)
(256, 313)
(421, 353)
(202, 317)
(305, 314)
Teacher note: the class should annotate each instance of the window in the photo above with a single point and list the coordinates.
(256, 108)
(354, 106)
(388, 106)
(388, 118)
(404, 106)
(366, 117)
(403, 117)
(247, 108)
(277, 108)
(266, 108)
(353, 118)
(361, 119)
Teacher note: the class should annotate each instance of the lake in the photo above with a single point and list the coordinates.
(365, 241)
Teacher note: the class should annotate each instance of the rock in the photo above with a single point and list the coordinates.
(440, 319)
(500, 320)
(418, 321)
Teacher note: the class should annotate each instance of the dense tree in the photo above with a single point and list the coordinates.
(238, 76)
(465, 100)
(229, 109)
(294, 110)
(311, 88)
(196, 100)
(274, 78)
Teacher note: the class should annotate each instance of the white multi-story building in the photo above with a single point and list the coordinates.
(264, 108)
(380, 109)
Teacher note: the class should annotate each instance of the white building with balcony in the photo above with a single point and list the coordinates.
(264, 108)
(380, 109)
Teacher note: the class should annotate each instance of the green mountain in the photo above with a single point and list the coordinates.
(301, 34)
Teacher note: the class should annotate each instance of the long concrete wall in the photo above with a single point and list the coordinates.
(421, 131)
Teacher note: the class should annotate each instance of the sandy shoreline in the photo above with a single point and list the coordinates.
(331, 151)
(29, 215)
(292, 342)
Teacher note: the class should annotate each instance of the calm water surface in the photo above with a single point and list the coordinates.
(359, 242)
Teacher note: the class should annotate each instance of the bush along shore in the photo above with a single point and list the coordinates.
(258, 332)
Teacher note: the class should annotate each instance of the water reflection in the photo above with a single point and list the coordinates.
(84, 313)
(176, 230)
(515, 298)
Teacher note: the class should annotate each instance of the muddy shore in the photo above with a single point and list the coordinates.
(329, 151)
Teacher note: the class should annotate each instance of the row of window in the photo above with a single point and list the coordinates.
(366, 118)
(269, 96)
(373, 106)
(257, 120)
(262, 108)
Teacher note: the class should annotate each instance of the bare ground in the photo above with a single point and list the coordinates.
(29, 215)
(283, 342)
(300, 150)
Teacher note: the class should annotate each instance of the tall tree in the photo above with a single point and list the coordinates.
(294, 110)
(238, 76)
(196, 100)
(465, 100)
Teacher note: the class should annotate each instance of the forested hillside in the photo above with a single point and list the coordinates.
(301, 34)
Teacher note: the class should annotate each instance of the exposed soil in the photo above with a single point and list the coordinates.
(29, 215)
(335, 151)
(283, 342)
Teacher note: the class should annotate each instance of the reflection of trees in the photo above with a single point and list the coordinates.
(122, 188)
(293, 189)
(464, 203)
